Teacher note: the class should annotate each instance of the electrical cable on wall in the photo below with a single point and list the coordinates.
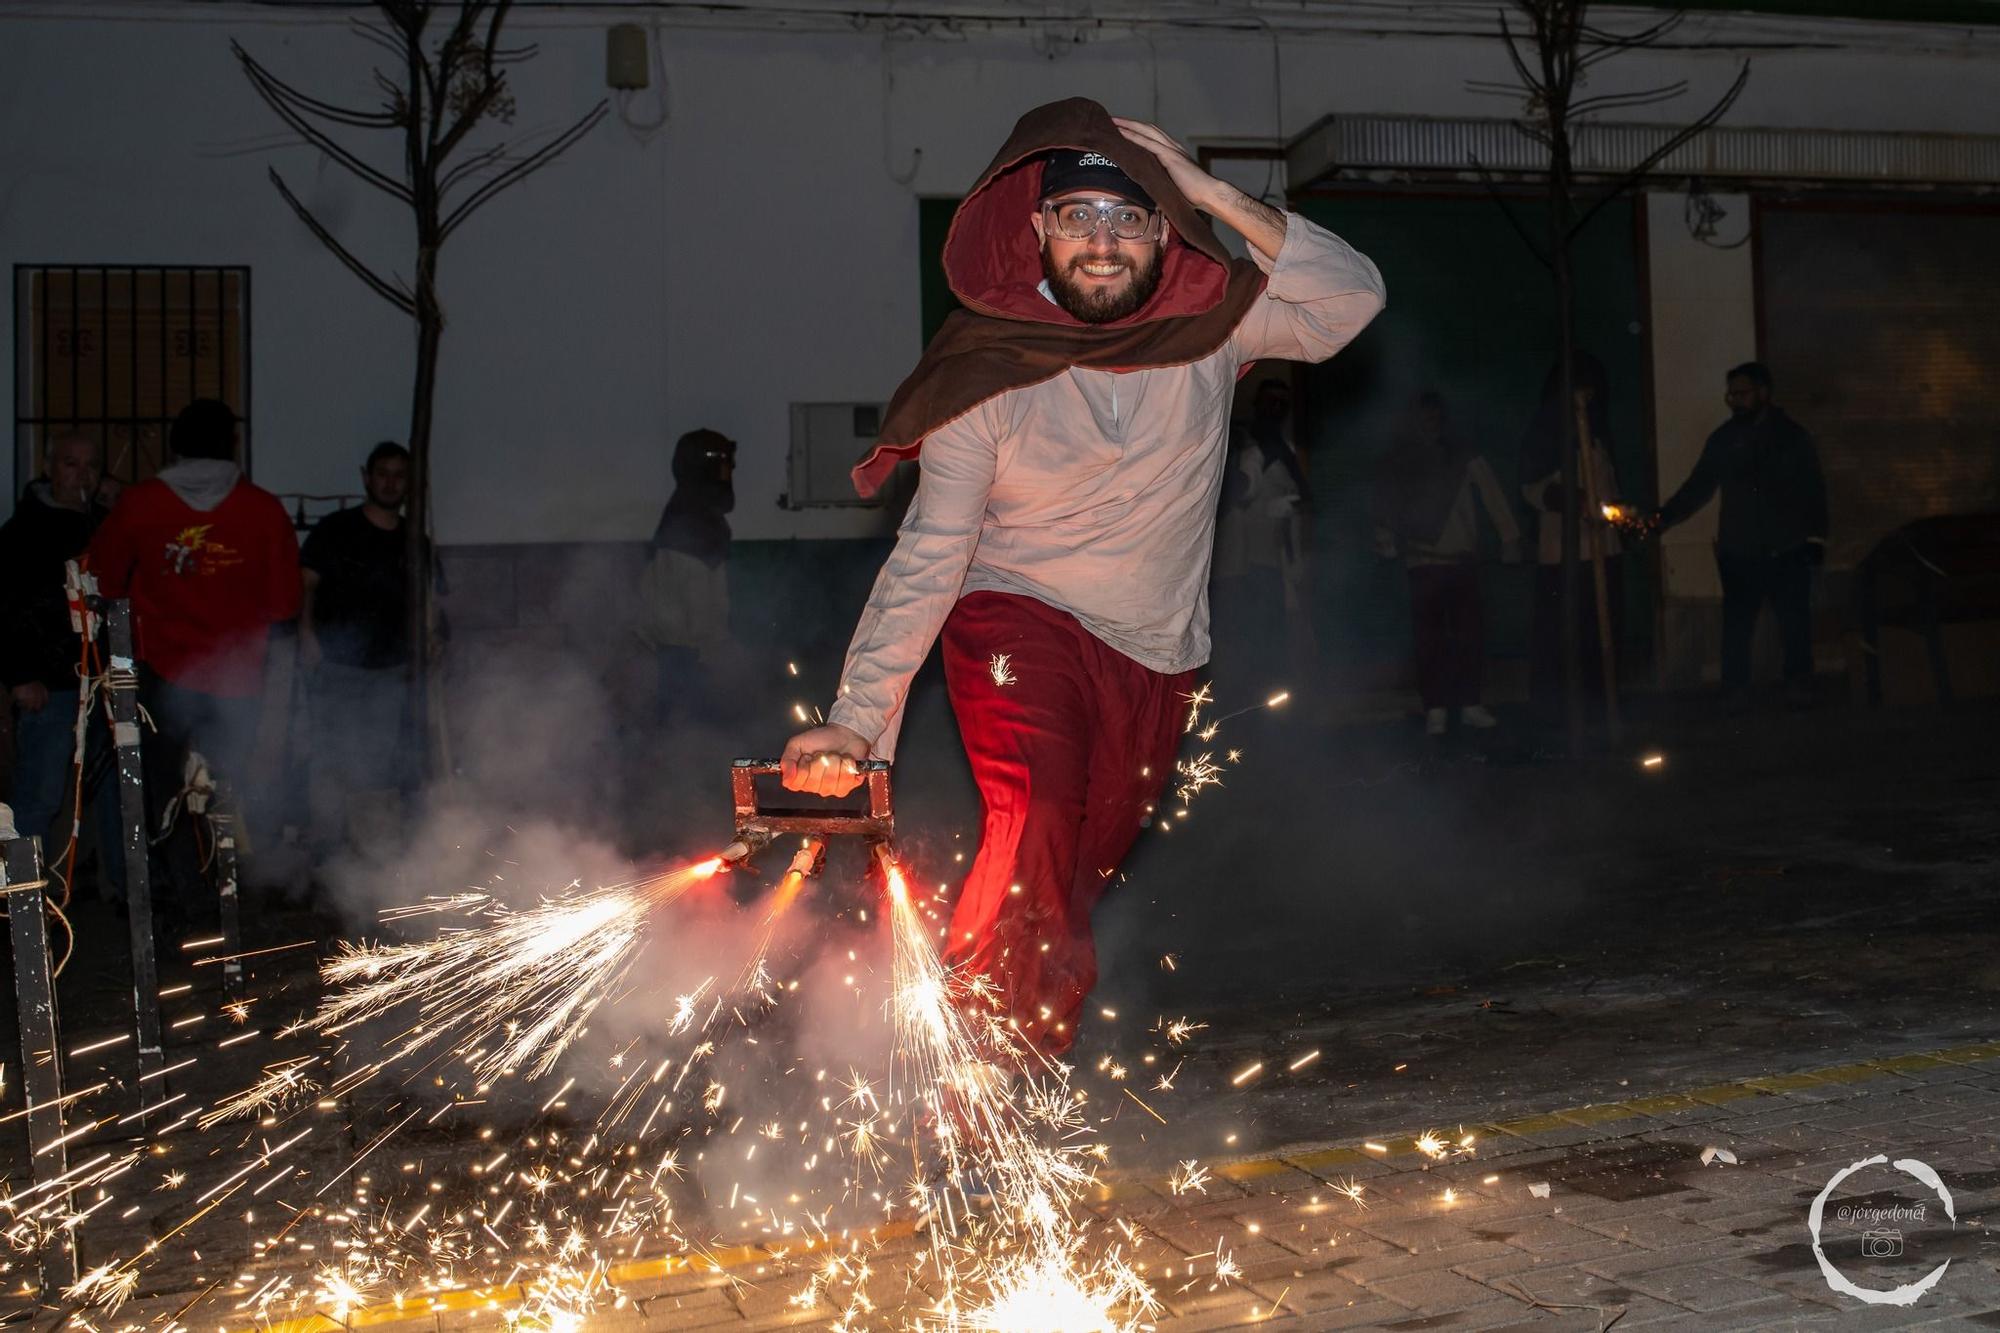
(1704, 218)
(909, 174)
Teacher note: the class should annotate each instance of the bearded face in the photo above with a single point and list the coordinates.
(1101, 283)
(1102, 279)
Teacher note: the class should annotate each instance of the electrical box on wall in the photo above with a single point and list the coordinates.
(828, 439)
(625, 62)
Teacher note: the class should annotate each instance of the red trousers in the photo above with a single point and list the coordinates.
(1068, 758)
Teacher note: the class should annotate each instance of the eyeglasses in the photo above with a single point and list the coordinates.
(1079, 219)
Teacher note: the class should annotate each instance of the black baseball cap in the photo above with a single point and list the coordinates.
(1067, 169)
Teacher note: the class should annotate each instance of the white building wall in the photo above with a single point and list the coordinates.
(1704, 321)
(760, 248)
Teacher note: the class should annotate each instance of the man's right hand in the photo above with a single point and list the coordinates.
(32, 696)
(825, 761)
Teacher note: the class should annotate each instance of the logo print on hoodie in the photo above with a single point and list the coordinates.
(191, 552)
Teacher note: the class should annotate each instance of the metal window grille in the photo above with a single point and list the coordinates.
(116, 351)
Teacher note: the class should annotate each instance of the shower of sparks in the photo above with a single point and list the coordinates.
(1197, 701)
(1003, 674)
(1434, 1146)
(519, 989)
(1352, 1190)
(1188, 1177)
(570, 1182)
(1027, 1262)
(1195, 774)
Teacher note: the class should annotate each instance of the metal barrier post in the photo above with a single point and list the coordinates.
(132, 824)
(41, 1055)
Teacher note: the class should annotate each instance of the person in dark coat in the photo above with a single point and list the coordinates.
(39, 650)
(1772, 530)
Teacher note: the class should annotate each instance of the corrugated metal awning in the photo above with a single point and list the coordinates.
(1363, 146)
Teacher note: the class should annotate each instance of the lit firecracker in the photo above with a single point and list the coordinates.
(1627, 519)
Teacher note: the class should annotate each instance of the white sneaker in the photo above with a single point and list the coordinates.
(1475, 715)
(1435, 722)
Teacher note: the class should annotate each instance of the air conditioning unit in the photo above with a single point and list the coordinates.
(828, 439)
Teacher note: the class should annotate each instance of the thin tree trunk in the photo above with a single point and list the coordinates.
(419, 552)
(1559, 222)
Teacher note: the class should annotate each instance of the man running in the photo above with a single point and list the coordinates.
(1073, 424)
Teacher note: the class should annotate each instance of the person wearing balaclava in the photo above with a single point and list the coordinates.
(684, 593)
(1072, 422)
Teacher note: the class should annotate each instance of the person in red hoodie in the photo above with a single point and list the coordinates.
(210, 563)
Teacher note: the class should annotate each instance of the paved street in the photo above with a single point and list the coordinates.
(1583, 1218)
(1778, 945)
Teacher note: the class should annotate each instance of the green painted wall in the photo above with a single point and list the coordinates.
(1471, 314)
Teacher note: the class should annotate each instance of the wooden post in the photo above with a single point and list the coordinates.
(132, 826)
(1592, 520)
(41, 1052)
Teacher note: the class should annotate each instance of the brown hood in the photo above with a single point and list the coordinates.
(1009, 335)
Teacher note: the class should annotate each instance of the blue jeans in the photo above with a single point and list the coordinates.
(44, 752)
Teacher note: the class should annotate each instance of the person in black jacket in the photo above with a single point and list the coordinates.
(1772, 532)
(39, 651)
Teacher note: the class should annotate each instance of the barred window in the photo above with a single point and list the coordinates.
(116, 351)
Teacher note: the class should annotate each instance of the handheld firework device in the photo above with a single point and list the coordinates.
(758, 825)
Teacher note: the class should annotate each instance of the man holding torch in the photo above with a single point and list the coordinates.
(1072, 422)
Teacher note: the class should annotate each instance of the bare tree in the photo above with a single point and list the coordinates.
(435, 93)
(1553, 57)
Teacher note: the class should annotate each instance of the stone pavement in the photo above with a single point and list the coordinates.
(1588, 1218)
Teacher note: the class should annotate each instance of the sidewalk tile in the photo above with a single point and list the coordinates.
(1399, 1265)
(1437, 1292)
(1652, 1232)
(1699, 1286)
(1521, 1261)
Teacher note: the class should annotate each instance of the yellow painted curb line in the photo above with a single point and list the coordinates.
(642, 1270)
(1587, 1116)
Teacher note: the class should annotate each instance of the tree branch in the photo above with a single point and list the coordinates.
(495, 83)
(1640, 97)
(275, 95)
(526, 167)
(376, 283)
(308, 105)
(1611, 42)
(1529, 81)
(1706, 121)
(1507, 209)
(477, 162)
